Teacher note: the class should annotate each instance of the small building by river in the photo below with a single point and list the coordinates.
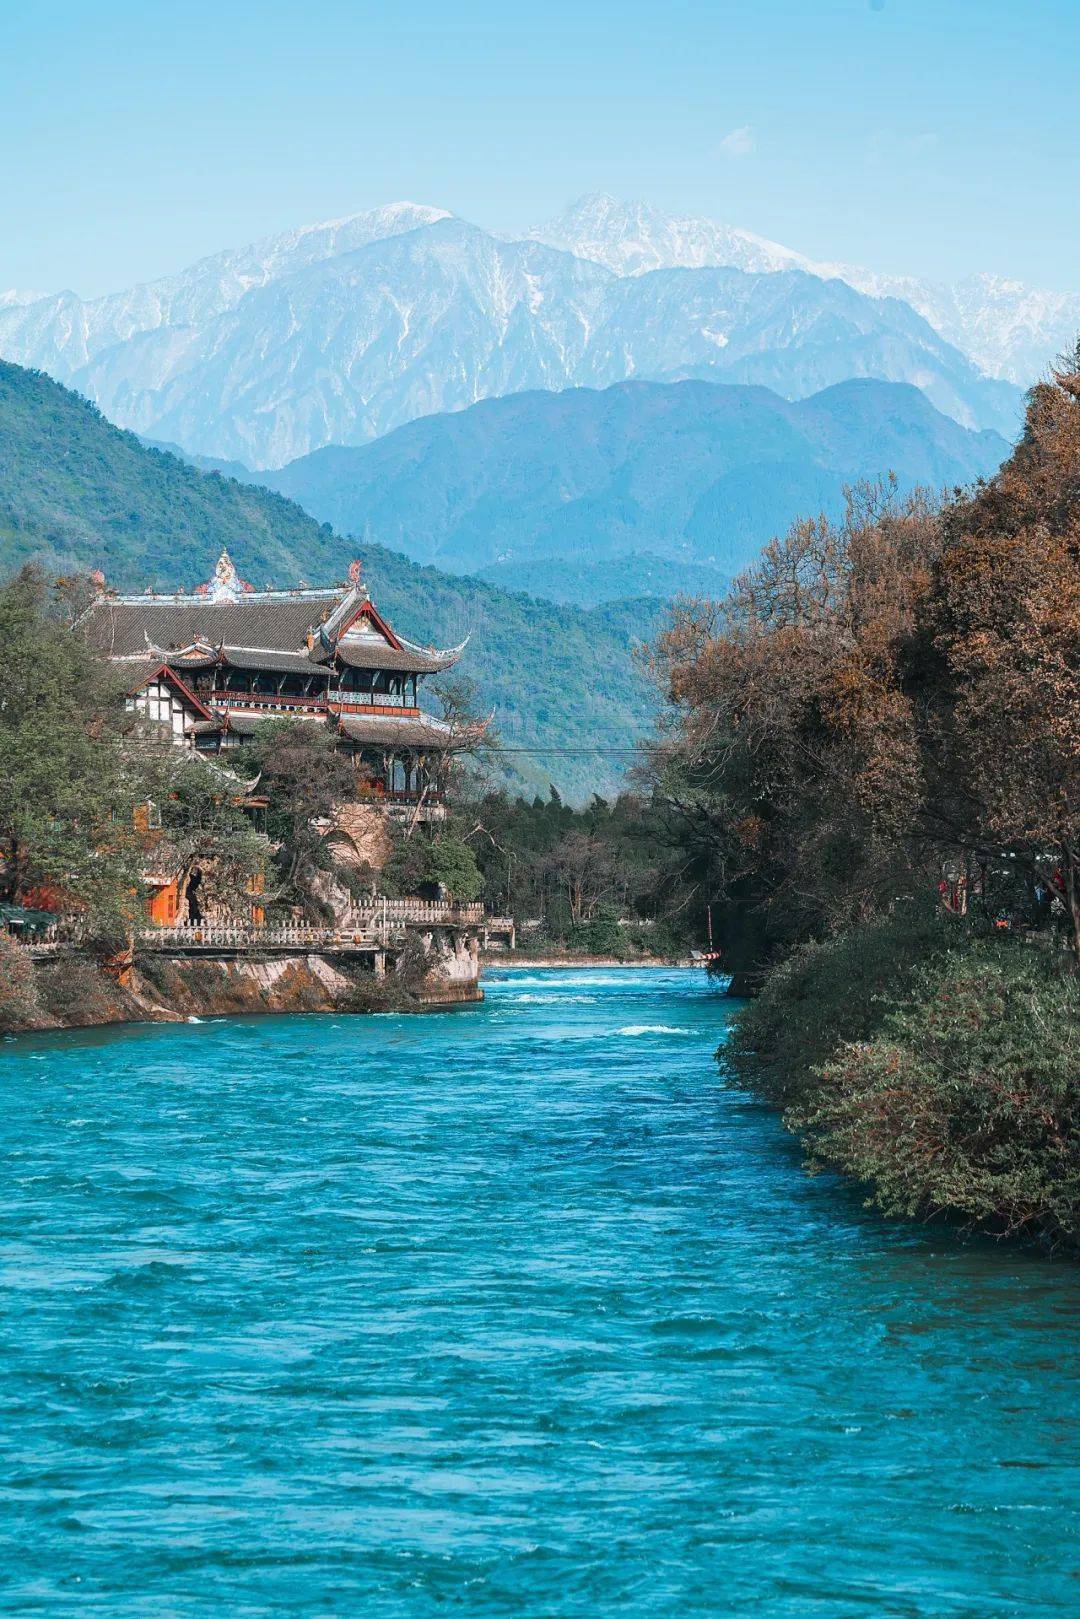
(207, 669)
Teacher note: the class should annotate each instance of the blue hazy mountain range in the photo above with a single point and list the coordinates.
(640, 488)
(338, 334)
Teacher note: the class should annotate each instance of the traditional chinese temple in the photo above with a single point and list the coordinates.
(211, 667)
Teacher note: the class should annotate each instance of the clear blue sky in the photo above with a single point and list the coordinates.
(912, 135)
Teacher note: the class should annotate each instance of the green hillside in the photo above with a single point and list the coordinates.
(575, 579)
(575, 486)
(77, 493)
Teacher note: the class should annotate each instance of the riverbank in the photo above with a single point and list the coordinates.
(73, 992)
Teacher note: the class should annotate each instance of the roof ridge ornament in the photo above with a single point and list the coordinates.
(226, 584)
(356, 579)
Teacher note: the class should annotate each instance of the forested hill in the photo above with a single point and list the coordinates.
(77, 493)
(574, 485)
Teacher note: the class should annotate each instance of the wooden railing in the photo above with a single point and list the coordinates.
(39, 946)
(370, 926)
(373, 792)
(335, 701)
(229, 700)
(66, 933)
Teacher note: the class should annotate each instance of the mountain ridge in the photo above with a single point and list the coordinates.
(342, 333)
(1012, 331)
(693, 474)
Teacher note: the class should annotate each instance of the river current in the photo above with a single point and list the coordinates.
(511, 1311)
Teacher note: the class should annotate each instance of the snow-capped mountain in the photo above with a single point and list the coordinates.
(60, 334)
(343, 331)
(1010, 330)
(632, 238)
(344, 350)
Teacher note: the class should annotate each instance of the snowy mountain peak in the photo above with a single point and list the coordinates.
(340, 331)
(1010, 330)
(61, 334)
(400, 215)
(633, 238)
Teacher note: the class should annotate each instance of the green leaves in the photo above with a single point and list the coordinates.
(946, 1080)
(67, 785)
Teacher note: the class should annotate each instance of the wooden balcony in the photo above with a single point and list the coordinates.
(333, 702)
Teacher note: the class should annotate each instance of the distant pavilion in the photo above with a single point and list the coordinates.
(210, 668)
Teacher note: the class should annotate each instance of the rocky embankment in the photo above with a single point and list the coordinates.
(78, 992)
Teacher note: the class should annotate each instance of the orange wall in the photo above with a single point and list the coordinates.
(164, 904)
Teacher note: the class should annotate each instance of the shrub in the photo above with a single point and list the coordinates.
(830, 992)
(78, 993)
(423, 862)
(966, 1100)
(20, 1007)
(601, 935)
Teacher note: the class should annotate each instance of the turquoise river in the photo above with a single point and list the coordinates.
(512, 1311)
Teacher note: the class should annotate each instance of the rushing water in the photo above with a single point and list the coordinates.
(510, 1311)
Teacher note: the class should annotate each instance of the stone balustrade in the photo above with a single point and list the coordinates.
(370, 926)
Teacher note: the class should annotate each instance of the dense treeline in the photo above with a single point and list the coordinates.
(874, 747)
(575, 879)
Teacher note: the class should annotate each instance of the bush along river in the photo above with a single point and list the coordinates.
(513, 1311)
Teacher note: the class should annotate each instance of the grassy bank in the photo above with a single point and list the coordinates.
(938, 1067)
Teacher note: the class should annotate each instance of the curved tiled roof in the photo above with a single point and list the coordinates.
(366, 730)
(253, 630)
(385, 730)
(120, 626)
(370, 653)
(195, 658)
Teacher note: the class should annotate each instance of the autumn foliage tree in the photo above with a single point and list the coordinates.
(1006, 619)
(793, 747)
(883, 693)
(882, 704)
